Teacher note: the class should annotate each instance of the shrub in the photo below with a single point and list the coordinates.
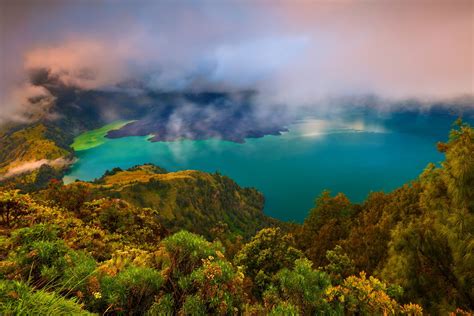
(17, 298)
(266, 253)
(304, 287)
(40, 254)
(132, 290)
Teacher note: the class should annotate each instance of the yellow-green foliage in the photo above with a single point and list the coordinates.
(359, 295)
(32, 155)
(17, 298)
(100, 253)
(267, 253)
(192, 200)
(28, 145)
(96, 137)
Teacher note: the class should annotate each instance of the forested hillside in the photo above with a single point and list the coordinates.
(200, 202)
(145, 241)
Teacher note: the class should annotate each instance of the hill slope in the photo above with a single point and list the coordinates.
(191, 200)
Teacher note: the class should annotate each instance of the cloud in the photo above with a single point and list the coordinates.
(87, 64)
(33, 165)
(296, 53)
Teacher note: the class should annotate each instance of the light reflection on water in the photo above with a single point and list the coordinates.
(354, 157)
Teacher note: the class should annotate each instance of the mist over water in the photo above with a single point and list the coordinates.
(355, 155)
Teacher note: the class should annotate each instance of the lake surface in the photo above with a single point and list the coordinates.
(355, 155)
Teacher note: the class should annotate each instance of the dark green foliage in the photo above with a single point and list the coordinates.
(432, 254)
(186, 252)
(43, 259)
(370, 233)
(70, 197)
(340, 266)
(12, 207)
(328, 222)
(163, 306)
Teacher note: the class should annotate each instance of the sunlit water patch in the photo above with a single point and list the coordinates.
(354, 157)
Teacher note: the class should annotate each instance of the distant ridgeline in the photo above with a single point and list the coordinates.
(126, 244)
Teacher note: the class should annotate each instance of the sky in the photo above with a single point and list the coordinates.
(295, 53)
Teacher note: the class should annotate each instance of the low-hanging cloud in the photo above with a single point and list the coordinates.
(26, 167)
(293, 53)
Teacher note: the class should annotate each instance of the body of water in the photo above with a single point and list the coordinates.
(354, 156)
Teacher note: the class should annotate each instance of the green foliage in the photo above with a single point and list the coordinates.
(44, 260)
(80, 267)
(190, 200)
(23, 144)
(284, 309)
(71, 197)
(39, 255)
(267, 253)
(163, 306)
(370, 231)
(131, 291)
(218, 285)
(193, 305)
(327, 223)
(17, 298)
(304, 287)
(13, 207)
(199, 275)
(340, 265)
(433, 253)
(186, 251)
(459, 166)
(119, 217)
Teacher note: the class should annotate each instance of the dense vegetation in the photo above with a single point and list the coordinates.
(191, 200)
(130, 243)
(31, 155)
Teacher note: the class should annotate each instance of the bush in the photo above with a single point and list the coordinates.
(133, 290)
(17, 298)
(284, 309)
(164, 306)
(267, 252)
(40, 255)
(304, 287)
(193, 305)
(186, 251)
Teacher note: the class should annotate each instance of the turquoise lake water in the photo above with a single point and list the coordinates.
(354, 156)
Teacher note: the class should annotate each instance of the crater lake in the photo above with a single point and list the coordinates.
(354, 155)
